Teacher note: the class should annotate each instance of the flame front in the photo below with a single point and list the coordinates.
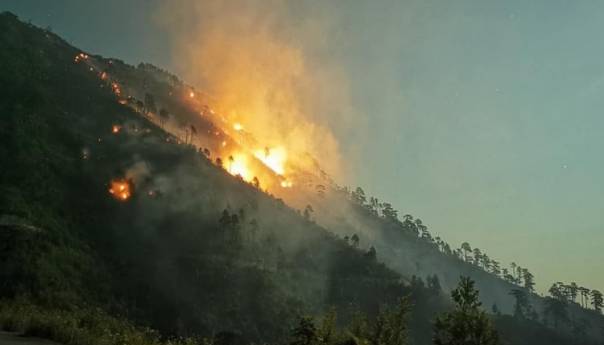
(120, 189)
(273, 158)
(237, 166)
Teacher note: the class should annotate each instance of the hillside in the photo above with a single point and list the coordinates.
(101, 206)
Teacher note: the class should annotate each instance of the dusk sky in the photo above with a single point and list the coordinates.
(482, 118)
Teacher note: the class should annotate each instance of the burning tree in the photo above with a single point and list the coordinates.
(150, 106)
(164, 116)
(121, 189)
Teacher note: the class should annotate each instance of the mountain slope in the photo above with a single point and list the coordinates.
(190, 249)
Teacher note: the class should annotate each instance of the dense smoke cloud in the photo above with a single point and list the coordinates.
(257, 62)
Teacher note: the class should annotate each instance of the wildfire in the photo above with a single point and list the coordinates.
(120, 189)
(273, 158)
(237, 166)
(286, 184)
(116, 129)
(80, 56)
(237, 126)
(192, 94)
(116, 88)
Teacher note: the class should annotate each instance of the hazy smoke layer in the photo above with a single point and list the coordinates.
(258, 62)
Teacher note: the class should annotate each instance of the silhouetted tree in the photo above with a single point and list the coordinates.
(584, 293)
(529, 280)
(573, 290)
(597, 301)
(390, 326)
(409, 225)
(477, 257)
(193, 133)
(140, 106)
(150, 106)
(467, 324)
(555, 308)
(327, 332)
(371, 253)
(465, 247)
(389, 213)
(433, 284)
(495, 269)
(358, 196)
(308, 210)
(164, 116)
(305, 333)
(522, 308)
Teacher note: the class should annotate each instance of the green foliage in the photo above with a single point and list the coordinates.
(388, 327)
(467, 324)
(305, 333)
(78, 326)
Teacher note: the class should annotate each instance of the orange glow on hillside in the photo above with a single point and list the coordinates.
(273, 158)
(120, 189)
(237, 166)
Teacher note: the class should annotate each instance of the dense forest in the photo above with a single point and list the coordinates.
(198, 255)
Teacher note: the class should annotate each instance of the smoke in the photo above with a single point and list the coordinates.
(260, 64)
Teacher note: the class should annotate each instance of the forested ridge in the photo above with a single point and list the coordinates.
(196, 253)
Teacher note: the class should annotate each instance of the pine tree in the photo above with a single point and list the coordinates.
(467, 324)
(305, 333)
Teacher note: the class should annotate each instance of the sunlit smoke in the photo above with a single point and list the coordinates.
(248, 57)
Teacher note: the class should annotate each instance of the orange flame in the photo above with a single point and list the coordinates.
(237, 166)
(273, 158)
(120, 189)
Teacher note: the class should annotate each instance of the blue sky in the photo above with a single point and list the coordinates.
(483, 118)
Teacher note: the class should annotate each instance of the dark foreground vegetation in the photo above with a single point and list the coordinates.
(194, 254)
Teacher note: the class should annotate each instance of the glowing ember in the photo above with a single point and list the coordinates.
(237, 126)
(192, 94)
(223, 143)
(286, 184)
(273, 158)
(116, 129)
(120, 189)
(116, 88)
(80, 56)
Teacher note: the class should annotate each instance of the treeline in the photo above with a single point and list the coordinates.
(515, 274)
(578, 295)
(415, 227)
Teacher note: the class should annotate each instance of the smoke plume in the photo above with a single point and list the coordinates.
(258, 61)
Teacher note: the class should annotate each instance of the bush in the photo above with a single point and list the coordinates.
(78, 326)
